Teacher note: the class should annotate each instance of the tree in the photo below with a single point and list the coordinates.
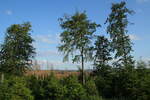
(17, 50)
(77, 38)
(120, 41)
(122, 48)
(102, 52)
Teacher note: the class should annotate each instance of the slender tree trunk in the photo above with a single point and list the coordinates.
(82, 64)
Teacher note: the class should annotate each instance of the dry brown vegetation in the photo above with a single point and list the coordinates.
(57, 73)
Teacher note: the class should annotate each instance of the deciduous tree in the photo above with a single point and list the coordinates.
(76, 38)
(117, 29)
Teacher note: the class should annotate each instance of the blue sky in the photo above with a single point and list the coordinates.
(44, 14)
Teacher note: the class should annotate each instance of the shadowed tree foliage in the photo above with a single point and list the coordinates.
(103, 50)
(76, 38)
(117, 29)
(102, 55)
(122, 48)
(17, 50)
(117, 81)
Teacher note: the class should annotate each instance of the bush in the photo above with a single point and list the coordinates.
(49, 88)
(36, 86)
(53, 89)
(15, 88)
(75, 90)
(91, 88)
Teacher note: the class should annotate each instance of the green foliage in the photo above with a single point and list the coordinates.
(103, 49)
(114, 85)
(53, 89)
(17, 51)
(77, 35)
(36, 86)
(75, 90)
(91, 88)
(15, 88)
(76, 39)
(141, 90)
(48, 88)
(68, 88)
(124, 81)
(104, 85)
(120, 41)
(125, 84)
(115, 81)
(102, 55)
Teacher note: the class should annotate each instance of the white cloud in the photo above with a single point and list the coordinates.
(49, 39)
(48, 53)
(8, 12)
(134, 37)
(59, 65)
(142, 1)
(46, 64)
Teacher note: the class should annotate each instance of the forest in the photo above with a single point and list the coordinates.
(116, 75)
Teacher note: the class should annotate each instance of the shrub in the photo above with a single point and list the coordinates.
(36, 86)
(53, 89)
(15, 88)
(91, 88)
(75, 90)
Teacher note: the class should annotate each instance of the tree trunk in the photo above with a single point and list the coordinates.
(83, 77)
(2, 77)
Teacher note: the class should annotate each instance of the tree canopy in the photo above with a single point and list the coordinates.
(17, 50)
(117, 29)
(76, 39)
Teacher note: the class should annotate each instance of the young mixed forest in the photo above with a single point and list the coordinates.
(116, 75)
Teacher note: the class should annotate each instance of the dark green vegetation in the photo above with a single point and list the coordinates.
(115, 76)
(109, 83)
(17, 51)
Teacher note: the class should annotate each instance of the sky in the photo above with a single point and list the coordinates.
(44, 15)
